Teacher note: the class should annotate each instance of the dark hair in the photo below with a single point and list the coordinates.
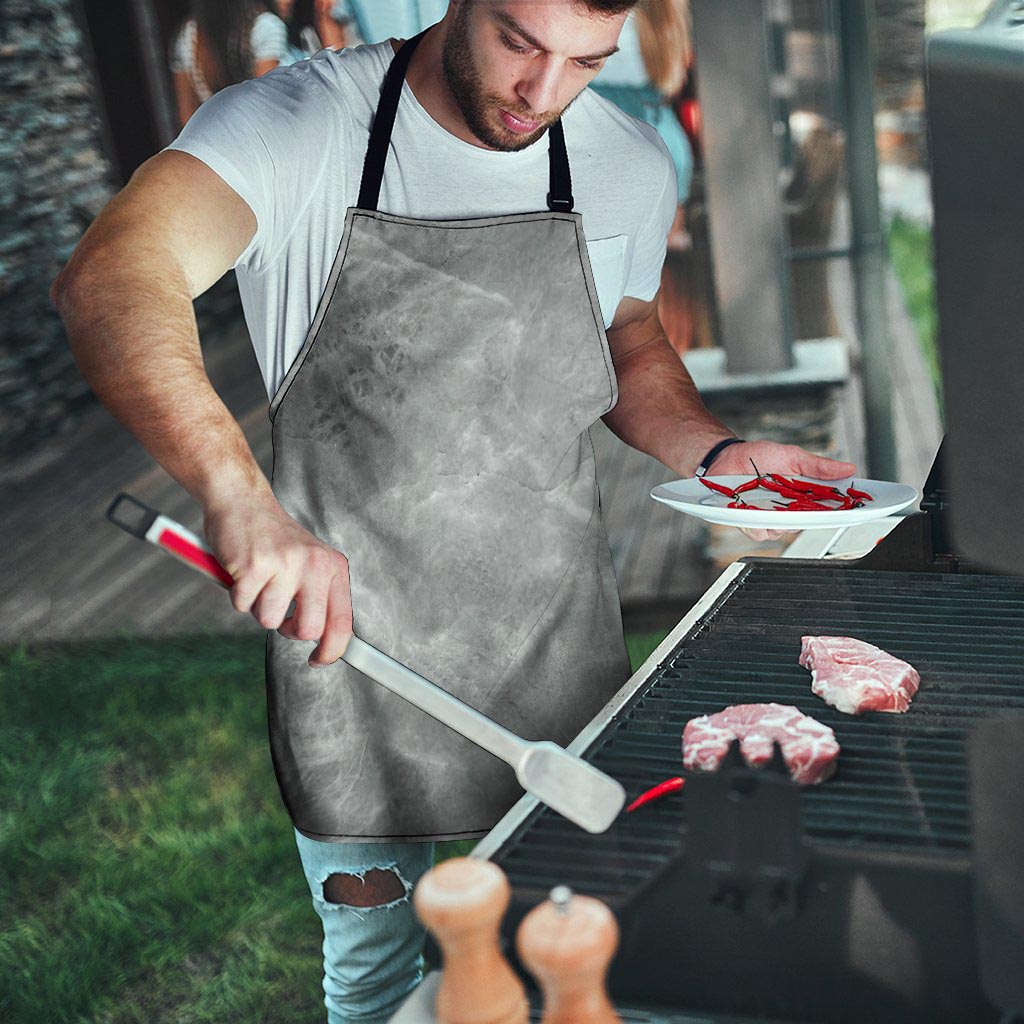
(300, 18)
(224, 27)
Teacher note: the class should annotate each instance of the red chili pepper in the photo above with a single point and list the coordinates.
(750, 485)
(806, 505)
(656, 793)
(773, 485)
(863, 495)
(808, 487)
(793, 485)
(788, 492)
(720, 488)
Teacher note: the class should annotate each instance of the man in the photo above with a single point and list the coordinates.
(430, 321)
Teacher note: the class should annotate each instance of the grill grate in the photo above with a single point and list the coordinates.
(902, 779)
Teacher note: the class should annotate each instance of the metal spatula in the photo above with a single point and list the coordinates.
(564, 782)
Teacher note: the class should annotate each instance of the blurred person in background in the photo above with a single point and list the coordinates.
(373, 21)
(221, 43)
(647, 75)
(314, 25)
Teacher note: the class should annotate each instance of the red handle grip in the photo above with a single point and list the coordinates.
(198, 555)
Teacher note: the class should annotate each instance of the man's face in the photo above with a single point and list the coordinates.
(513, 66)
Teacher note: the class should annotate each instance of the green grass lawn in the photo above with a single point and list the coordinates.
(148, 868)
(910, 247)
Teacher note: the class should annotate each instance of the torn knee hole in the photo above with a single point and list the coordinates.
(372, 889)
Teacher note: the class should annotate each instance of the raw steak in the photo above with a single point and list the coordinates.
(855, 677)
(809, 748)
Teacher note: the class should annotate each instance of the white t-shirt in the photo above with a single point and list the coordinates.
(268, 40)
(292, 144)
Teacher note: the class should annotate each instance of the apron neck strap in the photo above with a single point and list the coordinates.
(559, 197)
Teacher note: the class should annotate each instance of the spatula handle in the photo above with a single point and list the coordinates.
(147, 524)
(435, 701)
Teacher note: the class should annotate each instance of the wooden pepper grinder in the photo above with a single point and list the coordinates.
(462, 902)
(567, 942)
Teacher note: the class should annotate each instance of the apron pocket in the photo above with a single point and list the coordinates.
(608, 265)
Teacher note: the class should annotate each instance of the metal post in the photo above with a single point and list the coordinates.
(748, 237)
(154, 67)
(867, 237)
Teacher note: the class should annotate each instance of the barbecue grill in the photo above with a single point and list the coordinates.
(743, 895)
(893, 892)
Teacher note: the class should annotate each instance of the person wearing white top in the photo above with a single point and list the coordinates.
(314, 25)
(223, 43)
(627, 81)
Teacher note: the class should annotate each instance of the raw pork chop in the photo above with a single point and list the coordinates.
(809, 748)
(855, 677)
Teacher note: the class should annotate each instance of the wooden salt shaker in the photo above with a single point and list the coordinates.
(462, 902)
(567, 943)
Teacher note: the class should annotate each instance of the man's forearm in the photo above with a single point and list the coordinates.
(660, 411)
(133, 333)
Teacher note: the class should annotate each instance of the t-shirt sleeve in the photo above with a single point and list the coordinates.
(268, 139)
(181, 56)
(649, 250)
(269, 38)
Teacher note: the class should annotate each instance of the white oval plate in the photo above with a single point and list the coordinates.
(693, 498)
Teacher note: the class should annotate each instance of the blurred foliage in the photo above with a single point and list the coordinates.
(910, 247)
(943, 14)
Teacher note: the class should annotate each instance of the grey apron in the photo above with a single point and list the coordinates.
(435, 429)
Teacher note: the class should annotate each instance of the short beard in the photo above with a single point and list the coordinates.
(465, 86)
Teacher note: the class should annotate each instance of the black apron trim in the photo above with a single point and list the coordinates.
(383, 123)
(559, 198)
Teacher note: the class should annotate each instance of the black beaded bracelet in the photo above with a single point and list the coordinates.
(705, 463)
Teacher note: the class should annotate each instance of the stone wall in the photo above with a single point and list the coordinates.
(54, 179)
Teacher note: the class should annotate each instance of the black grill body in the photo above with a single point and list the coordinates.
(846, 901)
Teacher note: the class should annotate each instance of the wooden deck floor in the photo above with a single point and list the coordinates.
(70, 573)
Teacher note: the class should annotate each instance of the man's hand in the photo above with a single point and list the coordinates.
(273, 561)
(770, 457)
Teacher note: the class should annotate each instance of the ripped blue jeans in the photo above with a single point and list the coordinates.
(372, 954)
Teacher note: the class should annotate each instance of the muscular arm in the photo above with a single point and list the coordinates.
(126, 300)
(659, 410)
